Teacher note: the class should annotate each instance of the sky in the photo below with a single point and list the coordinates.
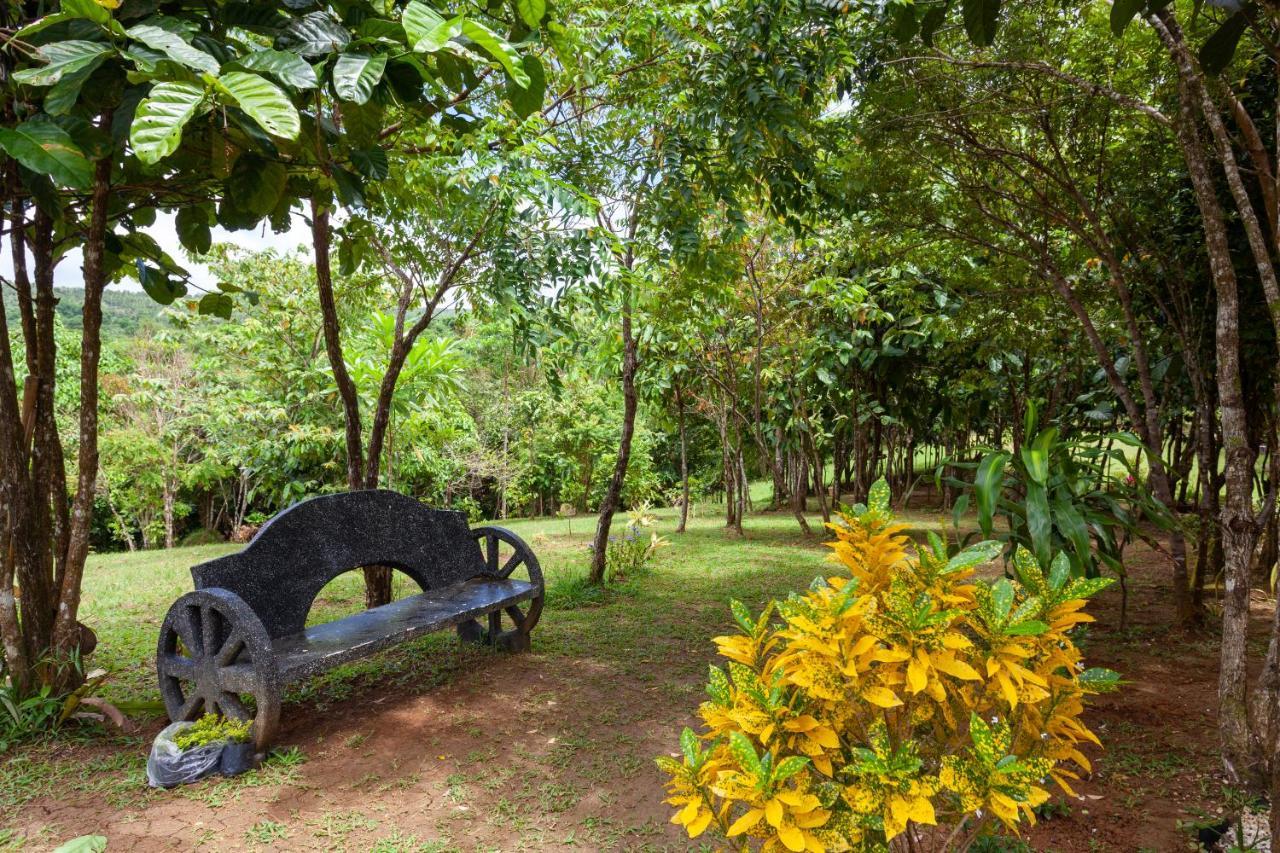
(68, 272)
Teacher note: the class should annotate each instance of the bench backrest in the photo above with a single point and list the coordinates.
(280, 572)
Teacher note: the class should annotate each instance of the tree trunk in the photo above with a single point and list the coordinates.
(798, 477)
(66, 633)
(1239, 755)
(613, 495)
(320, 238)
(169, 498)
(377, 579)
(728, 475)
(740, 472)
(684, 463)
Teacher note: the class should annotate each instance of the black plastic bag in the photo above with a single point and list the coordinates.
(237, 758)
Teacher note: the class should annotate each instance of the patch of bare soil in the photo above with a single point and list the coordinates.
(1160, 763)
(538, 752)
(521, 754)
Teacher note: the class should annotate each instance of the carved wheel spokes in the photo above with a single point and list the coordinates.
(492, 549)
(509, 627)
(506, 629)
(211, 660)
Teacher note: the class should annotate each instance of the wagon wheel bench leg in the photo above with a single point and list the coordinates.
(521, 617)
(214, 657)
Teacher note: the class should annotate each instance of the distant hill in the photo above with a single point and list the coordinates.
(124, 313)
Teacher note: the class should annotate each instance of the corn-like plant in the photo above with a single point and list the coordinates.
(906, 706)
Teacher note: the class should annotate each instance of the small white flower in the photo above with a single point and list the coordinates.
(1044, 736)
(994, 719)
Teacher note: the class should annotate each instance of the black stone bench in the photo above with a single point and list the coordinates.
(231, 645)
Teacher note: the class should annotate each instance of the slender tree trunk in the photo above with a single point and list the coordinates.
(726, 464)
(798, 477)
(1207, 499)
(1239, 751)
(613, 495)
(740, 472)
(169, 498)
(684, 462)
(320, 240)
(67, 634)
(377, 579)
(14, 485)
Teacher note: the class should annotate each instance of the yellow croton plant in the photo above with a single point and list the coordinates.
(908, 705)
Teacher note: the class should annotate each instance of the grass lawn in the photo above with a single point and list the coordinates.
(434, 746)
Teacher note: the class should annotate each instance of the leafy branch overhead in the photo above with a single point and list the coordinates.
(246, 110)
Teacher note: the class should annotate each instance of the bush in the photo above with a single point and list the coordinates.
(909, 705)
(23, 717)
(202, 536)
(628, 555)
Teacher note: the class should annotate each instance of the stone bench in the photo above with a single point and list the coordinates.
(232, 644)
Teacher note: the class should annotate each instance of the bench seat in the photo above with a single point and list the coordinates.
(322, 647)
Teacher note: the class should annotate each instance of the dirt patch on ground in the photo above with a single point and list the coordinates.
(548, 751)
(525, 755)
(1160, 764)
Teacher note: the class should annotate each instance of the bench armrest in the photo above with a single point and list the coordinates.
(490, 536)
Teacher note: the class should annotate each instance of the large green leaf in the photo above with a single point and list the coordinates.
(1035, 456)
(42, 23)
(158, 285)
(157, 126)
(1072, 525)
(934, 18)
(314, 34)
(63, 95)
(497, 47)
(192, 225)
(426, 29)
(84, 844)
(217, 305)
(1122, 12)
(1039, 522)
(44, 147)
(1217, 51)
(355, 75)
(988, 484)
(173, 46)
(264, 102)
(527, 100)
(371, 162)
(362, 122)
(289, 68)
(981, 19)
(349, 187)
(88, 9)
(532, 11)
(255, 184)
(63, 57)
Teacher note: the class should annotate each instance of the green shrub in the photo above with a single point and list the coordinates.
(202, 536)
(629, 554)
(23, 718)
